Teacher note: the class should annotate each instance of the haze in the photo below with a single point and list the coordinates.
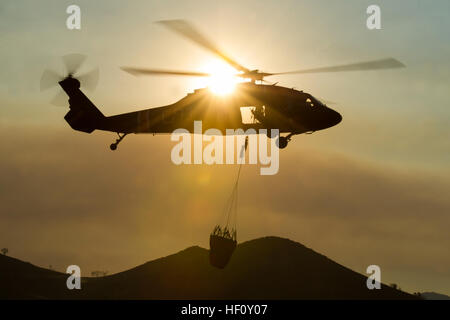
(372, 190)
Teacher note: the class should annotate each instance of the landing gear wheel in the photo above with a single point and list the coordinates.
(114, 145)
(282, 142)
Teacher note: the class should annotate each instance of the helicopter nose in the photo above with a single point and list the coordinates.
(338, 118)
(335, 118)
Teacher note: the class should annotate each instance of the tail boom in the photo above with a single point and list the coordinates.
(83, 114)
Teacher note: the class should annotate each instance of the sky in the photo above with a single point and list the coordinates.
(372, 190)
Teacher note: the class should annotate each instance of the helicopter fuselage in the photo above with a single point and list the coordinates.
(250, 106)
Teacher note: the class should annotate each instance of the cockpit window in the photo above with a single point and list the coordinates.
(313, 102)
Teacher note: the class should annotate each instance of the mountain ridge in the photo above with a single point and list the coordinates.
(263, 268)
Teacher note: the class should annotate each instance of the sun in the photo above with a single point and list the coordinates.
(223, 77)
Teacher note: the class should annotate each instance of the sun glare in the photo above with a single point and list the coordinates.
(223, 79)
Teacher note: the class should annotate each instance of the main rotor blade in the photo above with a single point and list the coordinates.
(388, 63)
(73, 62)
(140, 71)
(185, 29)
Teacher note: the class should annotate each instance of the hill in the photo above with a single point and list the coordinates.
(22, 280)
(434, 296)
(264, 268)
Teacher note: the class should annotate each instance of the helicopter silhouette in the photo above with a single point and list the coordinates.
(290, 111)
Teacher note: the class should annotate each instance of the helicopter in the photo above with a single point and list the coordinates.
(266, 105)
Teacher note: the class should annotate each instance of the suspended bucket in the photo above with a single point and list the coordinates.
(222, 245)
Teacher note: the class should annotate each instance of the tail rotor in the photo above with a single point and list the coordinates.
(72, 64)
